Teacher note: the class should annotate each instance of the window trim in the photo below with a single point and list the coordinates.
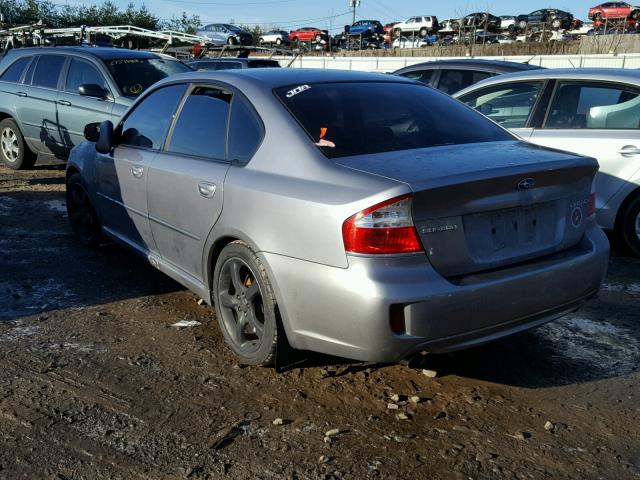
(593, 83)
(191, 87)
(135, 106)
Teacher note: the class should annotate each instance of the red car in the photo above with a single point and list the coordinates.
(388, 31)
(614, 10)
(308, 34)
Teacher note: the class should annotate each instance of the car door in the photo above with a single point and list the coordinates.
(37, 107)
(122, 175)
(598, 119)
(75, 111)
(510, 104)
(186, 180)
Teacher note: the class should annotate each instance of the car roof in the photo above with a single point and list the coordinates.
(594, 74)
(495, 65)
(104, 53)
(270, 78)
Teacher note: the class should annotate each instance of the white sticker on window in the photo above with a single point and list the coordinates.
(297, 90)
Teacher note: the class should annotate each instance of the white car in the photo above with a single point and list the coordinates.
(505, 39)
(277, 37)
(420, 25)
(593, 112)
(448, 25)
(508, 23)
(404, 42)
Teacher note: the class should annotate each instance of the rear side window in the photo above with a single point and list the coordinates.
(14, 72)
(452, 81)
(201, 128)
(83, 73)
(509, 105)
(245, 132)
(147, 125)
(423, 76)
(48, 71)
(358, 118)
(595, 106)
(228, 66)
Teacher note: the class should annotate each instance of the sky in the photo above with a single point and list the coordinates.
(334, 14)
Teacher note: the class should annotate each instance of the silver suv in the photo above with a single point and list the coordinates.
(341, 212)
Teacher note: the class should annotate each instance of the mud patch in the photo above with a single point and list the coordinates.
(604, 347)
(58, 206)
(29, 299)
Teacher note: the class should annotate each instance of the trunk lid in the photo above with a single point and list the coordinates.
(484, 206)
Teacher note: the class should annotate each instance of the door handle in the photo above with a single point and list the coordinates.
(206, 189)
(21, 94)
(629, 151)
(64, 102)
(137, 171)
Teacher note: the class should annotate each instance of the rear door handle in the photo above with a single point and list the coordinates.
(206, 189)
(629, 150)
(21, 94)
(137, 171)
(64, 102)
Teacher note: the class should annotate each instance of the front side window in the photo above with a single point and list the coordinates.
(147, 125)
(509, 105)
(135, 75)
(14, 72)
(595, 106)
(48, 71)
(357, 118)
(83, 73)
(201, 128)
(452, 81)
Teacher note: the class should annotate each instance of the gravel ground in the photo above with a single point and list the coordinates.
(96, 383)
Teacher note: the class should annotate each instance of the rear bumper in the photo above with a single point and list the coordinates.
(345, 312)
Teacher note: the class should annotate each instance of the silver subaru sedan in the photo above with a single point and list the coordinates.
(359, 215)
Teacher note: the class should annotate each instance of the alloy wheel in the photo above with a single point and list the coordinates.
(9, 144)
(241, 305)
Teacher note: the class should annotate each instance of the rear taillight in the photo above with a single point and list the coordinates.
(385, 228)
(591, 209)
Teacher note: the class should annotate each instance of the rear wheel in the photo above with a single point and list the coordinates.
(597, 17)
(231, 41)
(522, 25)
(556, 23)
(397, 32)
(245, 305)
(630, 225)
(423, 32)
(278, 41)
(82, 216)
(318, 38)
(13, 149)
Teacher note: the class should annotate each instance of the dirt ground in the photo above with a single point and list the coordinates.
(96, 383)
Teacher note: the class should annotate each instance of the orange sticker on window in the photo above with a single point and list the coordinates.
(323, 132)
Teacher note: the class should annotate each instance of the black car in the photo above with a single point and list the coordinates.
(483, 20)
(231, 63)
(547, 17)
(451, 76)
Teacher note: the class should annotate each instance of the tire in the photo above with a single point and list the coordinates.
(522, 25)
(295, 40)
(635, 15)
(318, 38)
(13, 149)
(630, 225)
(231, 41)
(511, 29)
(423, 32)
(397, 33)
(556, 23)
(597, 17)
(261, 41)
(246, 313)
(278, 41)
(82, 215)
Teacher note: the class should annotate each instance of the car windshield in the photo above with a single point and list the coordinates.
(135, 75)
(356, 118)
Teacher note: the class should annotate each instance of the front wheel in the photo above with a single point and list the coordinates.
(13, 149)
(556, 24)
(245, 305)
(630, 225)
(423, 32)
(522, 25)
(278, 41)
(231, 41)
(82, 216)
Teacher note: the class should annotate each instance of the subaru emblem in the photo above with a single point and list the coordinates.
(526, 184)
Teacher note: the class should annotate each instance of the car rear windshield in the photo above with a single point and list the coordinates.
(345, 119)
(135, 75)
(263, 64)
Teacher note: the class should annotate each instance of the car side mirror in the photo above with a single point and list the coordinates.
(105, 141)
(92, 132)
(92, 90)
